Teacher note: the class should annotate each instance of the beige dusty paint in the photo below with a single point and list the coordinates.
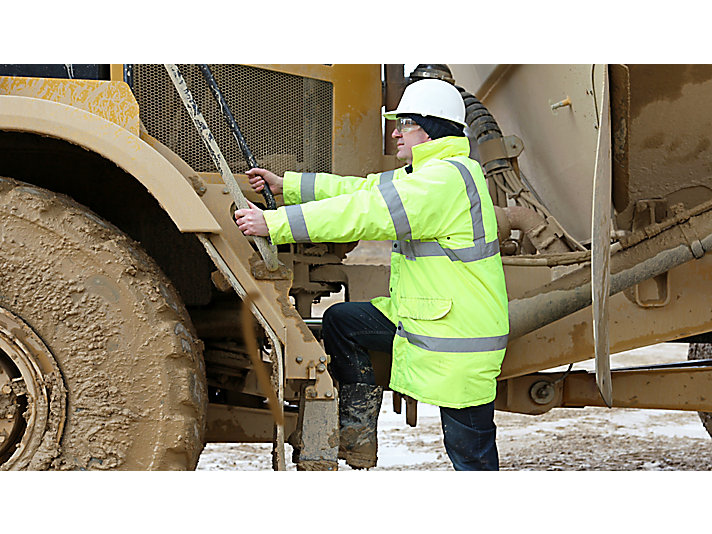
(163, 181)
(661, 129)
(659, 389)
(560, 145)
(571, 339)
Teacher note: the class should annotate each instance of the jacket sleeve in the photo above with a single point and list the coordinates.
(414, 207)
(301, 187)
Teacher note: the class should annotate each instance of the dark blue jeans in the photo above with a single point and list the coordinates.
(350, 329)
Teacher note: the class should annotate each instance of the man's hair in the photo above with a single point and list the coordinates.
(436, 127)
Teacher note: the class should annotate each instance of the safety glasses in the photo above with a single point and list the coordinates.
(405, 125)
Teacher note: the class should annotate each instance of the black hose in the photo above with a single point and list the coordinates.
(478, 118)
(232, 124)
(483, 127)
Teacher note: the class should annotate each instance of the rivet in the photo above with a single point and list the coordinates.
(226, 191)
(300, 359)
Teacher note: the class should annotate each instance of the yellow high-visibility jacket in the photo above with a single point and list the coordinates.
(448, 297)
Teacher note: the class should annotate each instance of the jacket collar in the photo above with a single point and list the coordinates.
(445, 147)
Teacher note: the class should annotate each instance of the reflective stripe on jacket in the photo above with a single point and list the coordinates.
(448, 297)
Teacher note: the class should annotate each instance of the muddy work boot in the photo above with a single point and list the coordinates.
(359, 405)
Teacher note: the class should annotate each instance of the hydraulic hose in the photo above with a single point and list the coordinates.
(232, 124)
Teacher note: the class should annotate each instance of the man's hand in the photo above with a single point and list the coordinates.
(251, 221)
(258, 177)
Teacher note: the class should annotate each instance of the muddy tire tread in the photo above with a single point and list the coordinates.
(183, 390)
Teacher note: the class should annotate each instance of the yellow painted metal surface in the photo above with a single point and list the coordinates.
(112, 101)
(357, 138)
(358, 144)
(116, 72)
(128, 151)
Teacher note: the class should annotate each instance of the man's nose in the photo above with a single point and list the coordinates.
(396, 134)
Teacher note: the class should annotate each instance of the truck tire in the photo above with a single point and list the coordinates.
(100, 366)
(702, 351)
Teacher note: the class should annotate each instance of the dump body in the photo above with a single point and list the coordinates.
(660, 177)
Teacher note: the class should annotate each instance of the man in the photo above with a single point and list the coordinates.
(445, 320)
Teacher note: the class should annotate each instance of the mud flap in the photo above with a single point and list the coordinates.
(316, 440)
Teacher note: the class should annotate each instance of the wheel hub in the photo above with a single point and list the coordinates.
(32, 395)
(9, 405)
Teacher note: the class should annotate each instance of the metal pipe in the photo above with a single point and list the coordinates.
(646, 254)
(533, 225)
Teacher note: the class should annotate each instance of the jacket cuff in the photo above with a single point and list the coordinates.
(291, 187)
(278, 226)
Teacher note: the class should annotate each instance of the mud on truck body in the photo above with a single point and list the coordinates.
(123, 278)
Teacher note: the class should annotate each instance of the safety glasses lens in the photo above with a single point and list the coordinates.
(405, 125)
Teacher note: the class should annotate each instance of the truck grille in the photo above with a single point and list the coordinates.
(285, 119)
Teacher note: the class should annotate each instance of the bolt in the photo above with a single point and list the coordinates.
(328, 394)
(321, 367)
(2, 439)
(6, 389)
(300, 359)
(565, 102)
(226, 191)
(322, 359)
(311, 392)
(542, 392)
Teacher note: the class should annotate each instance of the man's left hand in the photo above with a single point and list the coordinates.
(251, 221)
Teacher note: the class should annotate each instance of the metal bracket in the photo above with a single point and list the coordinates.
(316, 440)
(500, 148)
(692, 240)
(411, 408)
(411, 411)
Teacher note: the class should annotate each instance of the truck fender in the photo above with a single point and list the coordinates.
(170, 188)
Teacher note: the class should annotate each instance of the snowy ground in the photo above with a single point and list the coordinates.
(590, 438)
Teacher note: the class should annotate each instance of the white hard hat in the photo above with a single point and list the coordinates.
(434, 98)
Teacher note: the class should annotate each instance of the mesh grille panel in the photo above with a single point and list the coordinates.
(285, 119)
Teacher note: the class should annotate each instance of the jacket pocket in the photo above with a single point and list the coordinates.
(424, 308)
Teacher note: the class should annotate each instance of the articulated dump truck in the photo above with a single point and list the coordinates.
(137, 323)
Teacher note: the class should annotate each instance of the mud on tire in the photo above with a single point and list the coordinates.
(129, 358)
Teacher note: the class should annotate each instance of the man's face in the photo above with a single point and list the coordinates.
(408, 134)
